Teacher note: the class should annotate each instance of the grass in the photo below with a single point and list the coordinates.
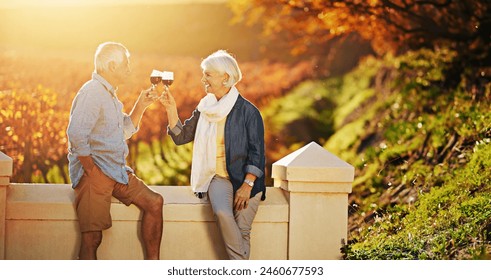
(421, 152)
(452, 221)
(164, 163)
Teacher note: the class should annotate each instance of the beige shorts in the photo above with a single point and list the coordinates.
(93, 198)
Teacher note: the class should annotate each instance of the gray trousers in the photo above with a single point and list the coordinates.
(235, 226)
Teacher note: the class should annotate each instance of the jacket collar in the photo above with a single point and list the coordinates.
(239, 102)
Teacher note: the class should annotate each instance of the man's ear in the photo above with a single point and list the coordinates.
(111, 66)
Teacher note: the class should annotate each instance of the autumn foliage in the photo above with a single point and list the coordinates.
(389, 25)
(36, 95)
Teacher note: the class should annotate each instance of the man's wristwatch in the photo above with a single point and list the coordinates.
(249, 182)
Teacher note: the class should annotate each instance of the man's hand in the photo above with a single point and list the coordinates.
(87, 163)
(147, 97)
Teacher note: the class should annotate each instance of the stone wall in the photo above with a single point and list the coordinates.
(303, 217)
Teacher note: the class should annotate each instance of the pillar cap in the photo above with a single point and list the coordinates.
(313, 163)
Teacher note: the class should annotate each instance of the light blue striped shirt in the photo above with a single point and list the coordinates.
(99, 128)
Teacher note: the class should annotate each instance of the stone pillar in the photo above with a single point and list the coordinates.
(5, 174)
(317, 184)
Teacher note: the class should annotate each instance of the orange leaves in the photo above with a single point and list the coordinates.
(32, 127)
(389, 25)
(5, 114)
(34, 117)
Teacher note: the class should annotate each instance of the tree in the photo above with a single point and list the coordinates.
(390, 25)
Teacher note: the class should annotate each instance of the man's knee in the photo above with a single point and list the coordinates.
(158, 202)
(154, 203)
(92, 239)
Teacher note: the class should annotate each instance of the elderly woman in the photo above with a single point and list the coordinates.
(228, 154)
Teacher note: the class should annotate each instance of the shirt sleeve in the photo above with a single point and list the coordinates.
(83, 118)
(184, 133)
(128, 127)
(176, 130)
(256, 153)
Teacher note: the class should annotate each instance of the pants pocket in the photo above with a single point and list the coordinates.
(103, 184)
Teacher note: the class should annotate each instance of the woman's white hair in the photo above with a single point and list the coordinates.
(222, 62)
(109, 52)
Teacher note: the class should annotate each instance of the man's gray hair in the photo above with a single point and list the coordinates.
(109, 52)
(222, 62)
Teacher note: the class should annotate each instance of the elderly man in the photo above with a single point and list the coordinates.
(97, 134)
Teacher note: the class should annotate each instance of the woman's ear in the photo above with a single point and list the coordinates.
(226, 77)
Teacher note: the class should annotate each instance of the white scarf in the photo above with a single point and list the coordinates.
(205, 140)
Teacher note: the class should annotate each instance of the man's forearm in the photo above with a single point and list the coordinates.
(136, 114)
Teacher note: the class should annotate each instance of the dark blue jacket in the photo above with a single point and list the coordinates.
(244, 143)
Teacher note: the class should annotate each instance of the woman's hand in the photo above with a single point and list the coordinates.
(242, 196)
(168, 100)
(170, 106)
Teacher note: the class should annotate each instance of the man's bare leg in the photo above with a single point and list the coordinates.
(88, 247)
(152, 223)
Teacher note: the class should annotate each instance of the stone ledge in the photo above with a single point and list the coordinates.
(4, 181)
(55, 202)
(313, 187)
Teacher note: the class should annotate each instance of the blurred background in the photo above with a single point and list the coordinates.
(47, 50)
(400, 89)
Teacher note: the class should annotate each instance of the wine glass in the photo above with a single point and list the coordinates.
(155, 78)
(167, 78)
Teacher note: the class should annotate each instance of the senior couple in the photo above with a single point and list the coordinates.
(228, 153)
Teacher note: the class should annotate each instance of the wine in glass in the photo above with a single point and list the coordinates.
(167, 78)
(155, 78)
